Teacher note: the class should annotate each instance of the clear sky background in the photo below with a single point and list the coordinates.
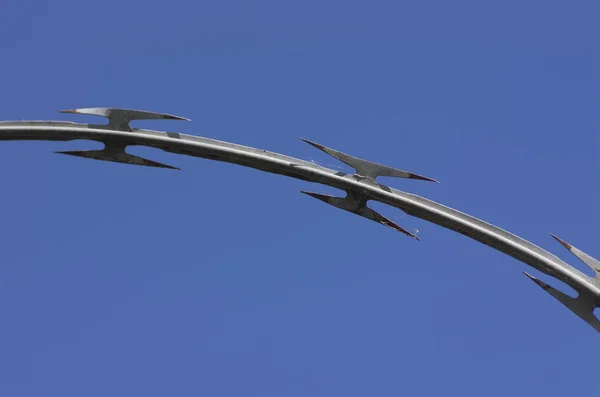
(219, 280)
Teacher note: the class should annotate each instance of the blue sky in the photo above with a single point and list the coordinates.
(219, 280)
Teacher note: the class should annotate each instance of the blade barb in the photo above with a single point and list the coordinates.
(367, 169)
(116, 157)
(583, 306)
(359, 207)
(120, 118)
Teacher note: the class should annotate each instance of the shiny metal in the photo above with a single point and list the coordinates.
(119, 119)
(367, 169)
(363, 189)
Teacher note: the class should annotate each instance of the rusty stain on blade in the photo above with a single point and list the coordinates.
(562, 242)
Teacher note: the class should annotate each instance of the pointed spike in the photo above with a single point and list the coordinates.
(351, 204)
(130, 113)
(545, 286)
(116, 158)
(582, 307)
(377, 217)
(561, 241)
(582, 256)
(318, 146)
(367, 169)
(323, 197)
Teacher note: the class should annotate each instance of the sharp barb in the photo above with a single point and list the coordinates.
(562, 242)
(352, 204)
(367, 169)
(323, 197)
(116, 157)
(389, 223)
(120, 118)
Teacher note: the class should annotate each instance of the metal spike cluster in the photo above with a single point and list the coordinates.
(368, 171)
(360, 188)
(584, 303)
(119, 119)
